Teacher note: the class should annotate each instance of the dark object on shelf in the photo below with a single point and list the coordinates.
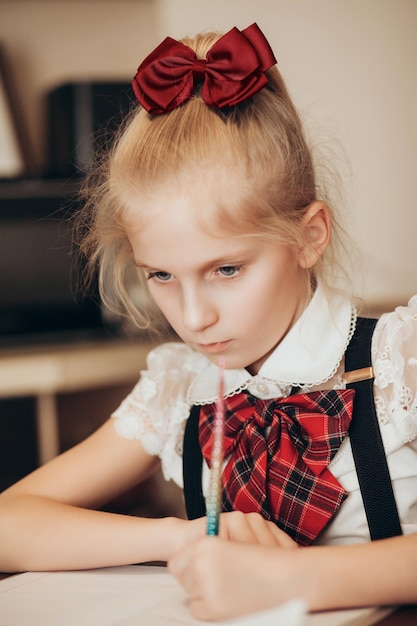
(82, 118)
(18, 452)
(38, 281)
(16, 158)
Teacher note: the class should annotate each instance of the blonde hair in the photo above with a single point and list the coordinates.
(263, 137)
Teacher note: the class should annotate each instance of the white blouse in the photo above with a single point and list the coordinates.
(311, 356)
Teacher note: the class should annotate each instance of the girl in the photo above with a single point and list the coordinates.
(210, 197)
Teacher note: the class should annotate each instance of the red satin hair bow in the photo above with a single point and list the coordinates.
(233, 71)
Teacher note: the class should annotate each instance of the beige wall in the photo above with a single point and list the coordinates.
(350, 65)
(49, 42)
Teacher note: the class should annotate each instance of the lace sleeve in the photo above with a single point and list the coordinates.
(394, 354)
(156, 409)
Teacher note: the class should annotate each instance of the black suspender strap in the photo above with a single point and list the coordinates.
(365, 436)
(366, 441)
(192, 465)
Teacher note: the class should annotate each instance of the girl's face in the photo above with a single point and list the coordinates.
(228, 296)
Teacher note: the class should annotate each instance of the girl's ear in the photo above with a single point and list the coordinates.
(316, 234)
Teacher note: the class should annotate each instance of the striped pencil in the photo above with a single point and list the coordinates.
(215, 487)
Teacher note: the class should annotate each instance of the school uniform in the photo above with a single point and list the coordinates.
(309, 359)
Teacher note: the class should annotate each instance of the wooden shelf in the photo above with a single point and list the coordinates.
(35, 188)
(46, 372)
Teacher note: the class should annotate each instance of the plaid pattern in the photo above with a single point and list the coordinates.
(279, 451)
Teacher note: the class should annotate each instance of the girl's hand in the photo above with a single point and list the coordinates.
(229, 575)
(224, 579)
(236, 526)
(253, 528)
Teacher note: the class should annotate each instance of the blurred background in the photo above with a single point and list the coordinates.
(350, 66)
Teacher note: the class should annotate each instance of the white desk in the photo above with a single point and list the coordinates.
(45, 372)
(133, 595)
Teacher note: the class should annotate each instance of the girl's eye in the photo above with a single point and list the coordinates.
(229, 270)
(162, 277)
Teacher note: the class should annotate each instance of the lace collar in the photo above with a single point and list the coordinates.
(309, 354)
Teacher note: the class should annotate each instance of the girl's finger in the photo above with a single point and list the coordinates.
(253, 528)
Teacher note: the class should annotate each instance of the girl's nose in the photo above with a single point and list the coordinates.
(199, 311)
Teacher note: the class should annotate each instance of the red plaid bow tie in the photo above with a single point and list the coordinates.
(279, 452)
(233, 71)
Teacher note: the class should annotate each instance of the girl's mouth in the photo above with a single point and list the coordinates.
(214, 348)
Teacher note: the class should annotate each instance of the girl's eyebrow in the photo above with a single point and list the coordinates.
(230, 259)
(141, 266)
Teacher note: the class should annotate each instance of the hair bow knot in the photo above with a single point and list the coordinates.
(233, 71)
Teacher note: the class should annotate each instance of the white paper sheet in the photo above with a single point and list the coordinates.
(131, 596)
